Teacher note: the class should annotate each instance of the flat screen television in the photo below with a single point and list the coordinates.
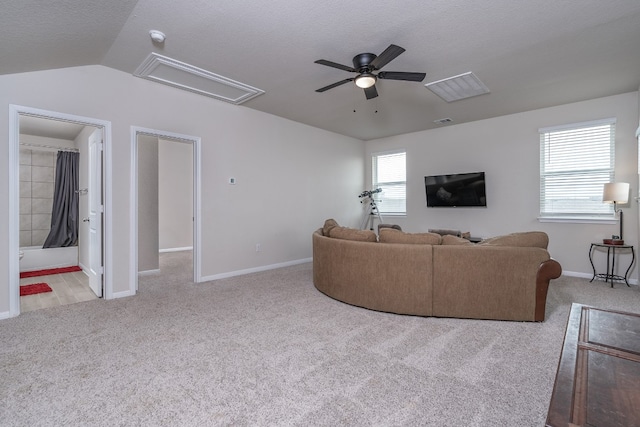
(456, 190)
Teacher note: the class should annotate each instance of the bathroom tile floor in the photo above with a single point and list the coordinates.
(68, 288)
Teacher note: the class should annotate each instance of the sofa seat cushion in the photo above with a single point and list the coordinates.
(391, 235)
(526, 239)
(347, 233)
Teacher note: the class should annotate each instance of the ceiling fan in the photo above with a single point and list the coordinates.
(365, 64)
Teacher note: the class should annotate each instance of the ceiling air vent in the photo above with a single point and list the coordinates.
(443, 121)
(162, 69)
(459, 87)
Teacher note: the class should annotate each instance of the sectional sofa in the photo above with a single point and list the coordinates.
(426, 274)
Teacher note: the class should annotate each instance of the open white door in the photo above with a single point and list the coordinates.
(96, 210)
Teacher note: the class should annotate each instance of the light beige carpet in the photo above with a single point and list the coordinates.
(269, 349)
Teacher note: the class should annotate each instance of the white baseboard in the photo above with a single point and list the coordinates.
(85, 270)
(188, 248)
(122, 294)
(590, 276)
(255, 269)
(6, 315)
(577, 274)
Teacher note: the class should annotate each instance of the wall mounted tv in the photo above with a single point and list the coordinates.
(456, 190)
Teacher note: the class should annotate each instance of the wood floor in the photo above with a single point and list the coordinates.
(68, 288)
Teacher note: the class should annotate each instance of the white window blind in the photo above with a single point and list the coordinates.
(389, 172)
(575, 162)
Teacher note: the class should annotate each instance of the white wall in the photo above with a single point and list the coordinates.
(507, 149)
(175, 198)
(290, 176)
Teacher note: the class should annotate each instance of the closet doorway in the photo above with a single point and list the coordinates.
(47, 147)
(165, 200)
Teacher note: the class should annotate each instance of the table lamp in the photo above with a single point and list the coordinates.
(616, 192)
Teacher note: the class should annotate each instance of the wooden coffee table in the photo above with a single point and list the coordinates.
(598, 378)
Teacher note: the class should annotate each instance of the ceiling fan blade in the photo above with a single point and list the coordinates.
(400, 75)
(371, 92)
(335, 65)
(387, 56)
(336, 84)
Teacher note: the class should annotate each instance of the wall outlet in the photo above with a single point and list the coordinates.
(258, 247)
(232, 181)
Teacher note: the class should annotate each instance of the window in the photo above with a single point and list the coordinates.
(389, 172)
(575, 162)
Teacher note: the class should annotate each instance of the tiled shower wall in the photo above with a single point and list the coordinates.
(37, 177)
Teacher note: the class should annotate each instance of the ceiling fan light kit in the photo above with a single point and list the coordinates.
(365, 80)
(365, 64)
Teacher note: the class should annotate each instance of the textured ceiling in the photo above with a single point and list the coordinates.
(529, 54)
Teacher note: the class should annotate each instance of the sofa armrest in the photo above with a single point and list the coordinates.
(548, 270)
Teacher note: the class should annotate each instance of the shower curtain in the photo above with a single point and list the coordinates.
(64, 213)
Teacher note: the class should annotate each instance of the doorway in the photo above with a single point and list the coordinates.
(154, 231)
(95, 130)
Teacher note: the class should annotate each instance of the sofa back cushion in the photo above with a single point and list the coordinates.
(391, 235)
(536, 239)
(347, 233)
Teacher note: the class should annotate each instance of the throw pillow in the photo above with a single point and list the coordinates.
(444, 232)
(391, 235)
(347, 233)
(328, 225)
(394, 226)
(449, 239)
(537, 239)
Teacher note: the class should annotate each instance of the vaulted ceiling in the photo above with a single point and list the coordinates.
(530, 54)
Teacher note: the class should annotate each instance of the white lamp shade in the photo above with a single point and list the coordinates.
(617, 192)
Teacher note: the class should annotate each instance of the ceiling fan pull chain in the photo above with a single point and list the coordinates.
(353, 98)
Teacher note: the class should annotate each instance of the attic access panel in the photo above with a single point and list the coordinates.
(171, 72)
